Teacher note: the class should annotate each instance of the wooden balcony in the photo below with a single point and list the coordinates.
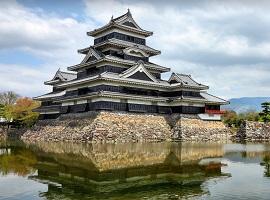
(220, 112)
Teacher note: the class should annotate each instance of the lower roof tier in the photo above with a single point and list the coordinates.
(136, 78)
(138, 74)
(113, 60)
(121, 106)
(168, 99)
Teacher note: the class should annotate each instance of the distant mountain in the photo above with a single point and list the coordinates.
(245, 104)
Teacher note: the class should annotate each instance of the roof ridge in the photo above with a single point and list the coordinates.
(192, 79)
(134, 69)
(115, 19)
(214, 96)
(118, 22)
(67, 72)
(183, 74)
(130, 43)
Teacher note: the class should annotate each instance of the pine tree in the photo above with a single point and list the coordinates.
(265, 114)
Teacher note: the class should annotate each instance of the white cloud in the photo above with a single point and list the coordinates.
(39, 32)
(221, 43)
(24, 80)
(44, 35)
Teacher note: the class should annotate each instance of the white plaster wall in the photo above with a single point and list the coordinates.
(105, 99)
(68, 103)
(213, 117)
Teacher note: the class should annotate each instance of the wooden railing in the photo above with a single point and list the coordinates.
(215, 111)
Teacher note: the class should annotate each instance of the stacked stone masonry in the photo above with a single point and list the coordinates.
(254, 131)
(126, 127)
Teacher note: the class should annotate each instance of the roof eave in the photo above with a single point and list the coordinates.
(152, 52)
(218, 103)
(51, 82)
(189, 86)
(83, 51)
(148, 66)
(113, 25)
(39, 98)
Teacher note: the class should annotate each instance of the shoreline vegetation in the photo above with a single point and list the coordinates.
(234, 120)
(17, 109)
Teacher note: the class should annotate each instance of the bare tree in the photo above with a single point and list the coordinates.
(8, 98)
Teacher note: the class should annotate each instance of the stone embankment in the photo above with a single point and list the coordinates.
(199, 130)
(126, 127)
(254, 131)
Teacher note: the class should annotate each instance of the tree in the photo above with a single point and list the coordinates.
(265, 114)
(8, 98)
(22, 112)
(232, 119)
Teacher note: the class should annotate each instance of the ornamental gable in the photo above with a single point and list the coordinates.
(138, 72)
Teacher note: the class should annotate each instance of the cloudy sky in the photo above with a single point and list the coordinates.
(222, 43)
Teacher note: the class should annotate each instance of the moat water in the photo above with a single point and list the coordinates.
(134, 171)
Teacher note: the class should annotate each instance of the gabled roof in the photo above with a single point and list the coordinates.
(185, 80)
(61, 77)
(86, 50)
(114, 59)
(135, 51)
(137, 68)
(126, 44)
(50, 95)
(115, 77)
(127, 20)
(124, 22)
(92, 53)
(213, 99)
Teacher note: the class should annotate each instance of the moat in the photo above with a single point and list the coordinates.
(134, 171)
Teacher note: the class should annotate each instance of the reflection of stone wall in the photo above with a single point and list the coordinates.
(125, 127)
(254, 131)
(129, 155)
(196, 151)
(2, 132)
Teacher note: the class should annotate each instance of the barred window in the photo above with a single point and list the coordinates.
(120, 36)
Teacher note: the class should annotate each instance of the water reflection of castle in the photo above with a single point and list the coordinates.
(109, 169)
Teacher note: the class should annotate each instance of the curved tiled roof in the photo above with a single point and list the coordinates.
(119, 22)
(138, 68)
(122, 43)
(50, 95)
(115, 59)
(213, 99)
(61, 76)
(186, 80)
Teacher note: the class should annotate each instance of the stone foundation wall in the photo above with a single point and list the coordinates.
(101, 127)
(125, 127)
(254, 131)
(198, 130)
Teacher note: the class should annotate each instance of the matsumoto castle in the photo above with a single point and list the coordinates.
(116, 75)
